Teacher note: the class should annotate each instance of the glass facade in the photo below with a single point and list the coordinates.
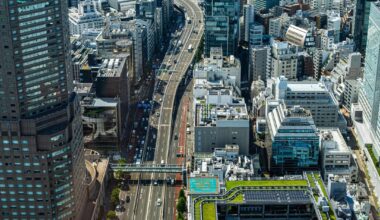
(370, 93)
(41, 150)
(222, 25)
(293, 140)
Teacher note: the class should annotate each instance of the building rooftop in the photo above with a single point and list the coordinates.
(112, 67)
(308, 87)
(99, 102)
(277, 196)
(209, 114)
(333, 141)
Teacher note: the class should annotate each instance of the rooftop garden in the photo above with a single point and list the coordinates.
(374, 158)
(209, 211)
(266, 183)
(312, 184)
(322, 186)
(238, 199)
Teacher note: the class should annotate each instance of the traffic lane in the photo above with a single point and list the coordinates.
(140, 215)
(128, 205)
(161, 148)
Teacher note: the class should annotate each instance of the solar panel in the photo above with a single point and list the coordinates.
(280, 196)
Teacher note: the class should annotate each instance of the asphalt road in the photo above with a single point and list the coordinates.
(161, 120)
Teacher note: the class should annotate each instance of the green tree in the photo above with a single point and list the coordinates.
(180, 216)
(120, 174)
(181, 194)
(181, 205)
(115, 196)
(111, 215)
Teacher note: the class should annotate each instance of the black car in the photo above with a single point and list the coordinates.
(127, 199)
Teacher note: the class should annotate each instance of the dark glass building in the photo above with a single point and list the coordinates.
(222, 25)
(41, 151)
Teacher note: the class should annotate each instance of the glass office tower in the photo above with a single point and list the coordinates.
(293, 140)
(222, 25)
(369, 96)
(41, 150)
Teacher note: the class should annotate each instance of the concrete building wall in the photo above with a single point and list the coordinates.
(208, 138)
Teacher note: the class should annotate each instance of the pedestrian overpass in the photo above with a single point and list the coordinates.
(148, 168)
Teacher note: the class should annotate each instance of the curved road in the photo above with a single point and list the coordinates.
(146, 207)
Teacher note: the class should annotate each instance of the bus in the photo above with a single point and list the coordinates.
(190, 48)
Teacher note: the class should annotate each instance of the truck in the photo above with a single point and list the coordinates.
(190, 48)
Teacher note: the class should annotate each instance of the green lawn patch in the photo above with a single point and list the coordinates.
(197, 210)
(311, 180)
(238, 199)
(209, 211)
(320, 182)
(374, 158)
(265, 183)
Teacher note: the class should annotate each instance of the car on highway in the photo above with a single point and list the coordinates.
(127, 199)
(158, 202)
(119, 208)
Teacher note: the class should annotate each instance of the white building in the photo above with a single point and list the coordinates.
(336, 156)
(299, 36)
(122, 5)
(283, 60)
(84, 17)
(219, 68)
(314, 96)
(333, 23)
(278, 25)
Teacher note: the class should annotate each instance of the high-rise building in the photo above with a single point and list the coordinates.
(293, 141)
(42, 168)
(369, 96)
(222, 25)
(259, 59)
(360, 23)
(249, 18)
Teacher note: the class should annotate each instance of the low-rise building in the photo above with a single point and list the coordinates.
(288, 198)
(220, 123)
(336, 156)
(218, 67)
(226, 164)
(86, 16)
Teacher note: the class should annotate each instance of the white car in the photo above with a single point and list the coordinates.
(158, 202)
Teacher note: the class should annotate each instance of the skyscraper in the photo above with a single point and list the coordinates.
(41, 153)
(369, 96)
(222, 25)
(360, 23)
